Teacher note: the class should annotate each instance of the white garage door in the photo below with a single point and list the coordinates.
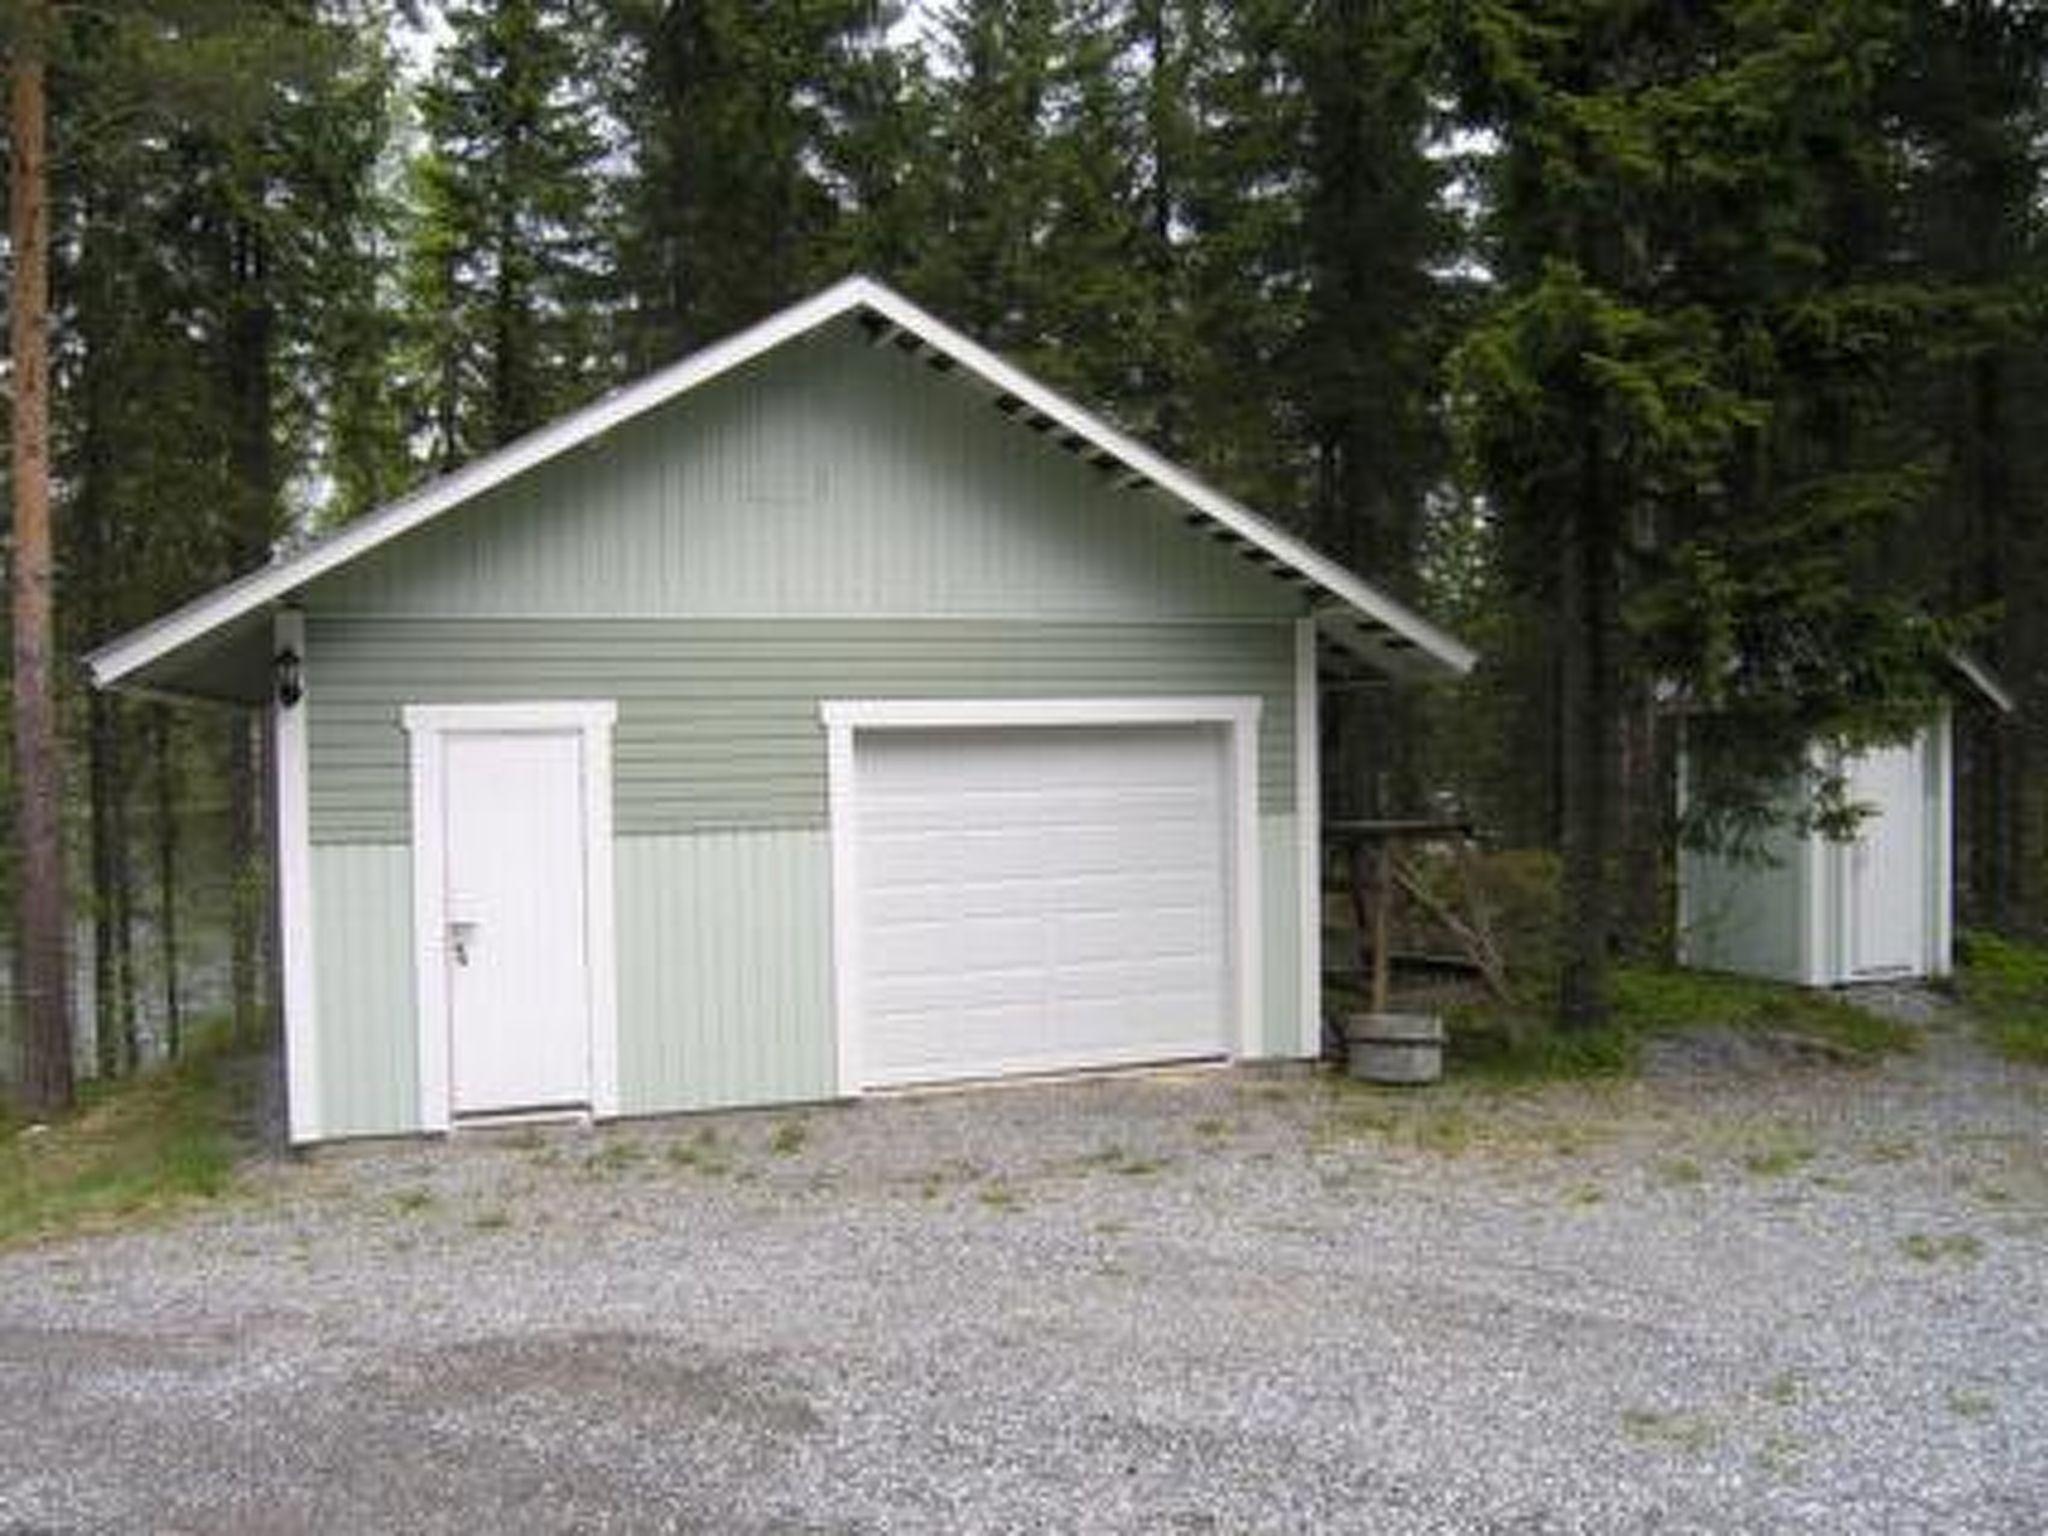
(1040, 899)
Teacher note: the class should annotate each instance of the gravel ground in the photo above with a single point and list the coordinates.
(1790, 1299)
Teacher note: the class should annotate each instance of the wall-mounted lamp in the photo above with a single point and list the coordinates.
(287, 674)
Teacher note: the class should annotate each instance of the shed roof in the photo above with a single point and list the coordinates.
(1350, 611)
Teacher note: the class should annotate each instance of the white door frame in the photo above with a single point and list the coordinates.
(427, 727)
(843, 718)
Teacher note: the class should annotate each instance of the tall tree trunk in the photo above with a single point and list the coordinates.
(44, 979)
(247, 888)
(251, 340)
(164, 778)
(1644, 808)
(113, 973)
(1589, 723)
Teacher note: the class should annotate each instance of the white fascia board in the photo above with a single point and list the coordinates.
(123, 657)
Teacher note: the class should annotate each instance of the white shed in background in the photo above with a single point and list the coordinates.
(1823, 913)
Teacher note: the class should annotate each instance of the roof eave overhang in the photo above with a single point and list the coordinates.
(1358, 615)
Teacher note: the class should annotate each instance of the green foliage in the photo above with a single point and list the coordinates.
(1512, 1042)
(507, 259)
(136, 1148)
(2004, 983)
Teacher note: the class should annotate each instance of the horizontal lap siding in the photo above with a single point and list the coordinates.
(718, 719)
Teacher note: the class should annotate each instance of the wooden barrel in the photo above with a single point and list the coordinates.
(1400, 1048)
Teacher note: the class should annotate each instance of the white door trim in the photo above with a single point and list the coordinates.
(843, 718)
(295, 892)
(427, 728)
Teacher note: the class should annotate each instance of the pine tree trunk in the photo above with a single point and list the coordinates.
(40, 937)
(113, 1013)
(164, 778)
(1646, 831)
(247, 888)
(1589, 724)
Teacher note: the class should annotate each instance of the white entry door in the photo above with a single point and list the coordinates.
(1032, 899)
(1886, 896)
(515, 916)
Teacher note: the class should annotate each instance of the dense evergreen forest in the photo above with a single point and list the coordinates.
(1685, 356)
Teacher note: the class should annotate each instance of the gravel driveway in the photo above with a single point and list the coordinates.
(1812, 1299)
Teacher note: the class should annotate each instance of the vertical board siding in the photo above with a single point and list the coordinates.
(1280, 917)
(827, 478)
(718, 720)
(363, 979)
(725, 992)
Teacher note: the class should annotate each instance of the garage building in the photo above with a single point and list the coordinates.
(837, 709)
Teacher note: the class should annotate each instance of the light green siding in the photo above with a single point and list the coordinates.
(1280, 918)
(725, 970)
(830, 478)
(718, 720)
(363, 990)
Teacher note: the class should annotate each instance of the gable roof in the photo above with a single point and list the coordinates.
(1361, 618)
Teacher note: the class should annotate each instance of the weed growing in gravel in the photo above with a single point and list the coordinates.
(410, 1202)
(528, 1140)
(1774, 1159)
(999, 1197)
(1584, 1195)
(1967, 1404)
(496, 1219)
(1785, 1389)
(615, 1157)
(701, 1152)
(1891, 1151)
(1682, 1172)
(789, 1138)
(1213, 1129)
(1114, 1159)
(1680, 1431)
(1782, 1453)
(1923, 1249)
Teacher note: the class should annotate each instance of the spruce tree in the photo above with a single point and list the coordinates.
(507, 260)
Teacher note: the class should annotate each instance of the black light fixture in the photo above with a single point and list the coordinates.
(286, 672)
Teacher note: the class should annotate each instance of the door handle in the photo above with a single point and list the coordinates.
(460, 937)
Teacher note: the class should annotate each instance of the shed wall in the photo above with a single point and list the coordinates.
(722, 866)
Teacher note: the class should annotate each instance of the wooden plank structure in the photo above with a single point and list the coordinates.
(1368, 850)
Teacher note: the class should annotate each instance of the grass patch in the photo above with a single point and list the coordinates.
(2004, 984)
(1966, 1404)
(1681, 1172)
(1785, 1389)
(1516, 1043)
(134, 1148)
(1681, 1431)
(1924, 1249)
(1130, 1165)
(1776, 1159)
